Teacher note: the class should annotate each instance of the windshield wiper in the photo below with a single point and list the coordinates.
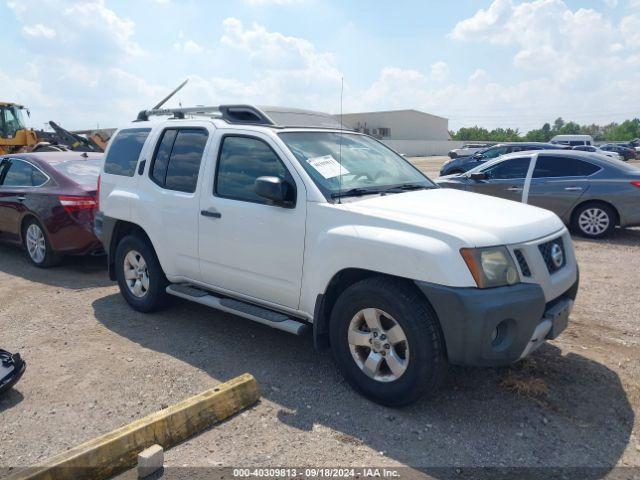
(354, 192)
(406, 187)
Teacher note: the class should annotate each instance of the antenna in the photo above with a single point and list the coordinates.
(165, 99)
(340, 143)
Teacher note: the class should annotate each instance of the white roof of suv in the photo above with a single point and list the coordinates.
(276, 117)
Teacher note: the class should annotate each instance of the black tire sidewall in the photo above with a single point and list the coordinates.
(50, 257)
(156, 296)
(605, 208)
(421, 375)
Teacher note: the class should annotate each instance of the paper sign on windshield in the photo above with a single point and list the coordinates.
(327, 166)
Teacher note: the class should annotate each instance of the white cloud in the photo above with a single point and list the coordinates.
(573, 63)
(440, 71)
(630, 29)
(38, 30)
(85, 29)
(272, 2)
(611, 3)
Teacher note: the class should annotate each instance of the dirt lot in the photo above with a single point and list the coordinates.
(94, 365)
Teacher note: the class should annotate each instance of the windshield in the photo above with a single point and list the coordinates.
(342, 162)
(11, 121)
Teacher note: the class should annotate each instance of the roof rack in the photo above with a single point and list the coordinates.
(239, 114)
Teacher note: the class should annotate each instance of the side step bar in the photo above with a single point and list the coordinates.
(252, 312)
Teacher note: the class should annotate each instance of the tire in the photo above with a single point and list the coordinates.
(37, 245)
(147, 291)
(422, 353)
(594, 220)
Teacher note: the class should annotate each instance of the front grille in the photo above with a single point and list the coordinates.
(553, 257)
(524, 266)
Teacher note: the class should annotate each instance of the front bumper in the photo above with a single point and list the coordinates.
(497, 326)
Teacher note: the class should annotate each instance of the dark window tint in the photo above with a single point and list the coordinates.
(125, 150)
(177, 160)
(161, 160)
(549, 167)
(22, 174)
(513, 168)
(184, 164)
(241, 161)
(83, 172)
(494, 152)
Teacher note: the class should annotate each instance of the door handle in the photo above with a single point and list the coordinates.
(22, 199)
(210, 213)
(573, 189)
(514, 189)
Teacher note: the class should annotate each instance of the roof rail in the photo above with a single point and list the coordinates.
(239, 114)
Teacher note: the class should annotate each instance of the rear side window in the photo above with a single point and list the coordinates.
(177, 160)
(509, 169)
(551, 167)
(242, 160)
(494, 152)
(23, 174)
(125, 150)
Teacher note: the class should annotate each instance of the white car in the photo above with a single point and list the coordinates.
(593, 149)
(281, 217)
(467, 150)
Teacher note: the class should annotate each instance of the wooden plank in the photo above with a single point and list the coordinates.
(117, 451)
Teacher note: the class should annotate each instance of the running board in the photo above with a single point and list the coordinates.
(252, 312)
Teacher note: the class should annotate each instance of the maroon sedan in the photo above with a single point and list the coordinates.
(48, 202)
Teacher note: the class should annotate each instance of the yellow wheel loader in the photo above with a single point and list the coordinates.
(14, 136)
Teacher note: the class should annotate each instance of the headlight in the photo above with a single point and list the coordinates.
(491, 267)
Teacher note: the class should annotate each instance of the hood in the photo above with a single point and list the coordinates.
(478, 220)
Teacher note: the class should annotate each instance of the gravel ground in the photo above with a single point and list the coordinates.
(94, 365)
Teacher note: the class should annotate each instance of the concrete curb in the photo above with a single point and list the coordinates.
(118, 450)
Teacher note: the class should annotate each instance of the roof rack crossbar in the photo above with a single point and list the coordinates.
(239, 114)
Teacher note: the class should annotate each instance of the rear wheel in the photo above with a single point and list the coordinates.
(140, 277)
(594, 220)
(387, 341)
(37, 245)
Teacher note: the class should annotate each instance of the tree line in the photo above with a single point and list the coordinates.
(625, 131)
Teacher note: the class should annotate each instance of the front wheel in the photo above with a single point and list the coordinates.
(387, 341)
(140, 277)
(594, 220)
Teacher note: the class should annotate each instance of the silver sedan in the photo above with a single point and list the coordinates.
(591, 193)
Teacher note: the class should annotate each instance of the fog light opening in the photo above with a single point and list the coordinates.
(499, 333)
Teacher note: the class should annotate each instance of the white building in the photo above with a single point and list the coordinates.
(410, 132)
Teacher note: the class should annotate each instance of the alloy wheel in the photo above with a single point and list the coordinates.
(36, 243)
(378, 345)
(136, 273)
(594, 221)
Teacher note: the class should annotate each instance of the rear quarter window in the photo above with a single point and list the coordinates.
(124, 151)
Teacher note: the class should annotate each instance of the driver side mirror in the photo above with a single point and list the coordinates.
(276, 190)
(477, 176)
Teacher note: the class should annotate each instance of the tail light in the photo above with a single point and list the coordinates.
(98, 194)
(636, 184)
(75, 203)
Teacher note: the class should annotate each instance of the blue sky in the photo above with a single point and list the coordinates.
(491, 62)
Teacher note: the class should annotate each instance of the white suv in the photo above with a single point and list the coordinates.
(282, 217)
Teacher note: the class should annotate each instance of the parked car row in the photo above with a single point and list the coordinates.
(589, 192)
(468, 149)
(464, 164)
